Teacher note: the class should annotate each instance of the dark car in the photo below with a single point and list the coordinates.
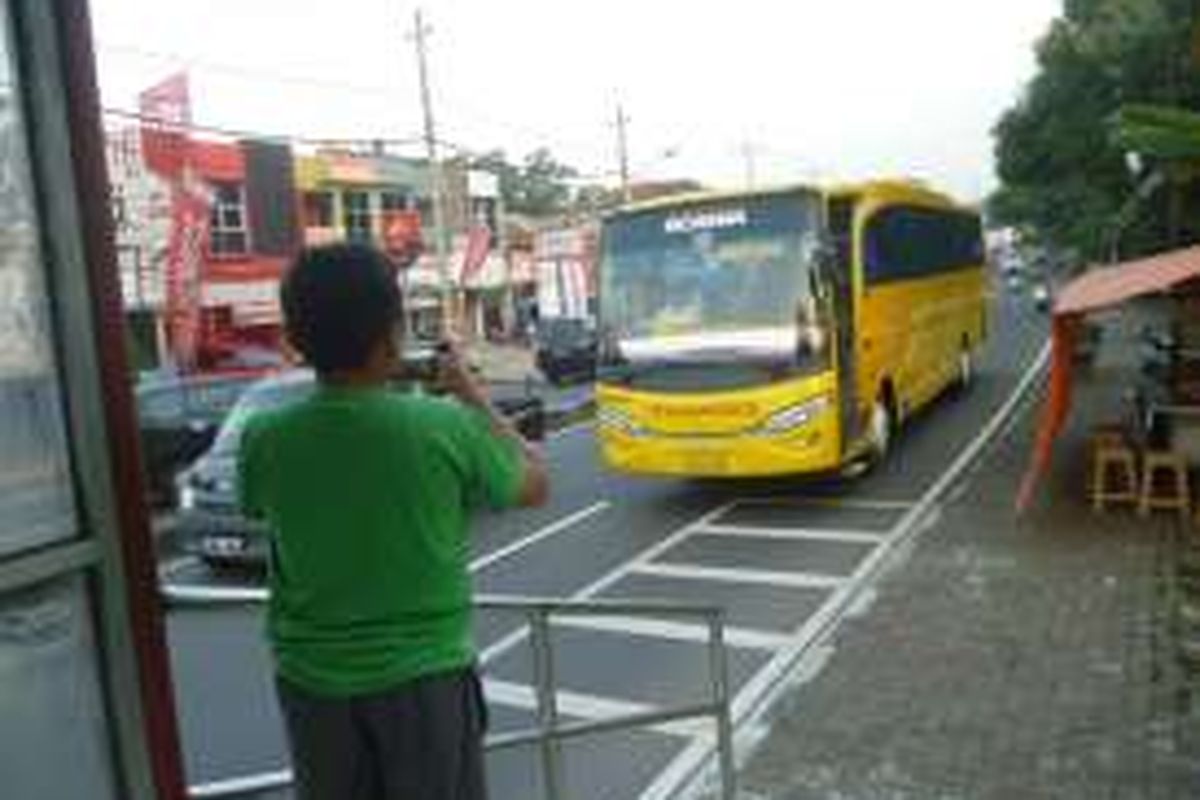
(566, 348)
(209, 524)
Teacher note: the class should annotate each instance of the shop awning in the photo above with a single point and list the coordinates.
(1095, 290)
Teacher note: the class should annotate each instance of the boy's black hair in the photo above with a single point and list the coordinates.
(338, 302)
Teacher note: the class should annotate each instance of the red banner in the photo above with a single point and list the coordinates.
(185, 260)
(166, 114)
(479, 244)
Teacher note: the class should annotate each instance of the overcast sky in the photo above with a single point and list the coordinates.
(814, 89)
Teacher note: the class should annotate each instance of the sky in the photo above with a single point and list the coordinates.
(766, 91)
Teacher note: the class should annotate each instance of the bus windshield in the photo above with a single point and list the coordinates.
(737, 277)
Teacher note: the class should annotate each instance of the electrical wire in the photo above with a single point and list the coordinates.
(266, 75)
(138, 116)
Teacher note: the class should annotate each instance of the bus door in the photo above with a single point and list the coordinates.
(841, 283)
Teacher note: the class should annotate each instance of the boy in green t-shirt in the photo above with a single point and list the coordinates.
(368, 494)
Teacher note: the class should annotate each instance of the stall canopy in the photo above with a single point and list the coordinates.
(1095, 290)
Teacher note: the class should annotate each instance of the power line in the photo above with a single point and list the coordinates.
(234, 133)
(460, 107)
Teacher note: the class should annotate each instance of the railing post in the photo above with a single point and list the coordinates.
(547, 702)
(719, 675)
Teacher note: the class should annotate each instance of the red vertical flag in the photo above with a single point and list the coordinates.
(185, 259)
(166, 116)
(479, 244)
(166, 113)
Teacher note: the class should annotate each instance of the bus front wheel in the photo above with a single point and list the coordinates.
(966, 368)
(881, 429)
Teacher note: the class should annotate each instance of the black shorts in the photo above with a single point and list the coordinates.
(422, 740)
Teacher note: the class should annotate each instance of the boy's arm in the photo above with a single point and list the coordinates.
(457, 379)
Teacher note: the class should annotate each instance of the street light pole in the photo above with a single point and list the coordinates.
(436, 187)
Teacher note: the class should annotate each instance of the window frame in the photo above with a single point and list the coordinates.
(312, 199)
(352, 216)
(217, 228)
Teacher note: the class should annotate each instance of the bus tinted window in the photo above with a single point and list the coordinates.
(908, 242)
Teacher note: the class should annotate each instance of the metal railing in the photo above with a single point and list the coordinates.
(550, 731)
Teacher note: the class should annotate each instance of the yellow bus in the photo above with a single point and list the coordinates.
(781, 331)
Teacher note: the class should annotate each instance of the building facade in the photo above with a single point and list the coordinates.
(362, 194)
(249, 227)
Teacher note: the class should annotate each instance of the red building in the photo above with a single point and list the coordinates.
(204, 230)
(252, 232)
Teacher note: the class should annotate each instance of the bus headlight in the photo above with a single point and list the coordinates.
(614, 419)
(797, 416)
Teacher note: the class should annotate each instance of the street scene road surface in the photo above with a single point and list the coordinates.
(779, 556)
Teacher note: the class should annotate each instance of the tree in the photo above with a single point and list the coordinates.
(540, 186)
(544, 186)
(1063, 174)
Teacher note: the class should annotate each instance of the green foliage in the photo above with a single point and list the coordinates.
(1160, 132)
(1062, 169)
(539, 186)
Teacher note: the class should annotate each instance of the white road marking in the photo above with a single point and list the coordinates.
(796, 580)
(743, 638)
(540, 535)
(792, 534)
(848, 503)
(570, 430)
(589, 707)
(200, 594)
(503, 645)
(760, 693)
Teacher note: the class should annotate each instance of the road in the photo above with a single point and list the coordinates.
(780, 556)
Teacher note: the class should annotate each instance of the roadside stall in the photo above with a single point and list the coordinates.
(1164, 421)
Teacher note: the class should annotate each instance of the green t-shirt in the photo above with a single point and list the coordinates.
(367, 494)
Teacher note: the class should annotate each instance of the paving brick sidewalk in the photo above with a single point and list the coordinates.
(1007, 659)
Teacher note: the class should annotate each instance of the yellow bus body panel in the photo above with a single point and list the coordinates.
(913, 332)
(714, 434)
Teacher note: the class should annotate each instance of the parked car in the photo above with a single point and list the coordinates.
(566, 348)
(209, 524)
(178, 416)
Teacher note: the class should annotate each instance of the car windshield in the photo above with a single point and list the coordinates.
(263, 397)
(723, 267)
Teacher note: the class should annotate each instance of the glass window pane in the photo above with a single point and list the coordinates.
(36, 504)
(54, 740)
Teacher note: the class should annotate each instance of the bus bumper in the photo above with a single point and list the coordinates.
(813, 448)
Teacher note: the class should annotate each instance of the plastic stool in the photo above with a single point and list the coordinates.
(1113, 461)
(1179, 494)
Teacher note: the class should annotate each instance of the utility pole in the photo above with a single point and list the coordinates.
(623, 154)
(420, 31)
